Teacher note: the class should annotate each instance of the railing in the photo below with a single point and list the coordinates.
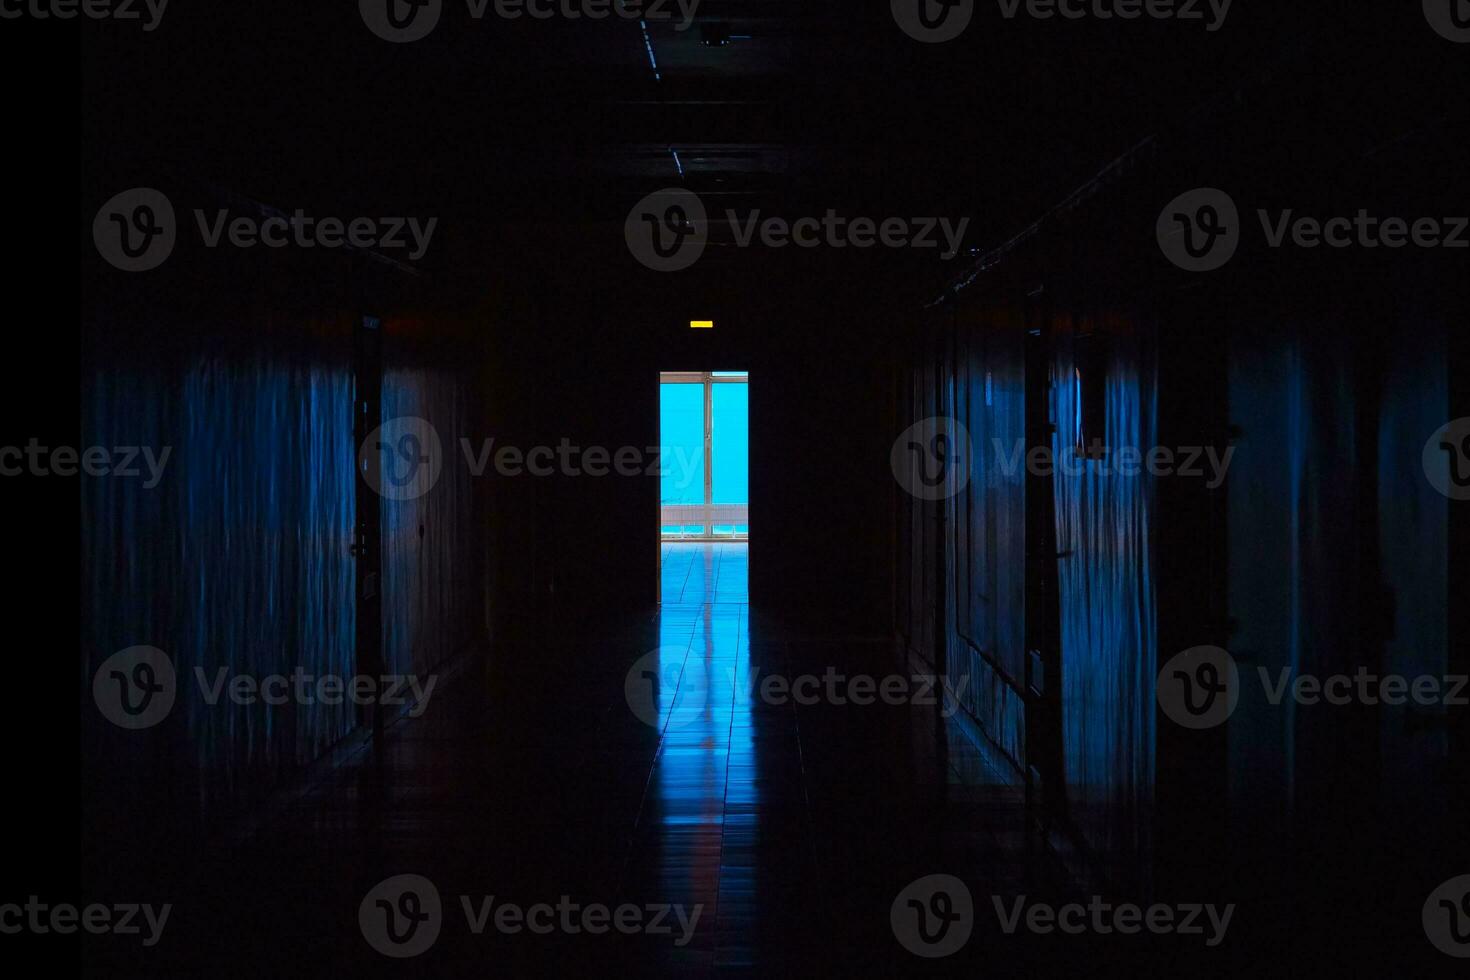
(705, 516)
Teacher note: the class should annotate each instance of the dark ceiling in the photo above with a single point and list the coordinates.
(787, 104)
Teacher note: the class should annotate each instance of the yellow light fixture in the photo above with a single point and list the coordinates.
(701, 324)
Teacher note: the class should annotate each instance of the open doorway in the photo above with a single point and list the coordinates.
(704, 430)
(704, 490)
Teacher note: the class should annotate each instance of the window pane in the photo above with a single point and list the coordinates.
(731, 439)
(681, 434)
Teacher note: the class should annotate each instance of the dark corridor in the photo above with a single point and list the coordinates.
(1091, 596)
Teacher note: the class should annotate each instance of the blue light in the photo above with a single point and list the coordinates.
(648, 43)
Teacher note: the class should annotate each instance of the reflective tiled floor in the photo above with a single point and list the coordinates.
(724, 803)
(694, 573)
(791, 827)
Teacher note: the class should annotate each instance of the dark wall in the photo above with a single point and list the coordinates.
(239, 363)
(1325, 550)
(1100, 578)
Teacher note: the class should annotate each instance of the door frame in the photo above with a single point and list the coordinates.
(709, 515)
(367, 528)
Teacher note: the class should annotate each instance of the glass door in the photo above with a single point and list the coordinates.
(705, 439)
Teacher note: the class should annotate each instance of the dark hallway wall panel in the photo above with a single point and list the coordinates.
(1414, 530)
(1107, 591)
(432, 568)
(237, 563)
(246, 567)
(1339, 565)
(266, 478)
(994, 382)
(916, 536)
(1297, 572)
(1418, 765)
(1104, 577)
(1267, 408)
(987, 645)
(1103, 570)
(1325, 551)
